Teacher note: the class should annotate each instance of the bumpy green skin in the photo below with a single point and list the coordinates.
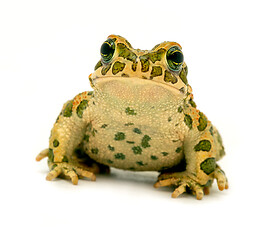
(141, 116)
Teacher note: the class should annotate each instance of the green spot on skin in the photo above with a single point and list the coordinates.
(137, 150)
(81, 107)
(111, 148)
(145, 141)
(68, 110)
(140, 163)
(203, 145)
(54, 166)
(117, 67)
(202, 122)
(119, 136)
(125, 52)
(119, 156)
(86, 138)
(91, 93)
(169, 119)
(180, 109)
(136, 130)
(134, 66)
(98, 65)
(51, 155)
(130, 142)
(169, 77)
(124, 75)
(183, 76)
(156, 71)
(55, 143)
(186, 70)
(188, 121)
(178, 150)
(164, 153)
(208, 165)
(110, 161)
(65, 159)
(89, 127)
(192, 103)
(182, 90)
(154, 157)
(156, 56)
(94, 150)
(93, 132)
(128, 124)
(105, 69)
(130, 111)
(104, 126)
(144, 64)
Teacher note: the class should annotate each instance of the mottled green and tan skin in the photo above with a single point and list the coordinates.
(140, 117)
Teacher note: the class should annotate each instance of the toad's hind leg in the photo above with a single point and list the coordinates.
(202, 149)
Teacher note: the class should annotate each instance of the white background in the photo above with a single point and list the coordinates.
(48, 49)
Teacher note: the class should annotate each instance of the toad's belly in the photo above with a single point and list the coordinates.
(133, 146)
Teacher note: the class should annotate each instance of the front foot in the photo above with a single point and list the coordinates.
(69, 171)
(73, 169)
(185, 181)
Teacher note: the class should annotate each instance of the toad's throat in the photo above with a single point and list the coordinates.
(136, 91)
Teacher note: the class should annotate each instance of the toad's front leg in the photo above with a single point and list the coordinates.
(202, 148)
(66, 137)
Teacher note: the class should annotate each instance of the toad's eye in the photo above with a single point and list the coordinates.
(174, 58)
(107, 50)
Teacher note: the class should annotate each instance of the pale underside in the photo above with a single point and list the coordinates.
(135, 124)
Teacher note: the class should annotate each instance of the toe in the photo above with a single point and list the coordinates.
(226, 185)
(42, 155)
(166, 182)
(221, 179)
(221, 185)
(206, 190)
(178, 191)
(72, 175)
(199, 193)
(54, 173)
(86, 174)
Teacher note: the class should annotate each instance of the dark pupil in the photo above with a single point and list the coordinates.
(107, 50)
(176, 57)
